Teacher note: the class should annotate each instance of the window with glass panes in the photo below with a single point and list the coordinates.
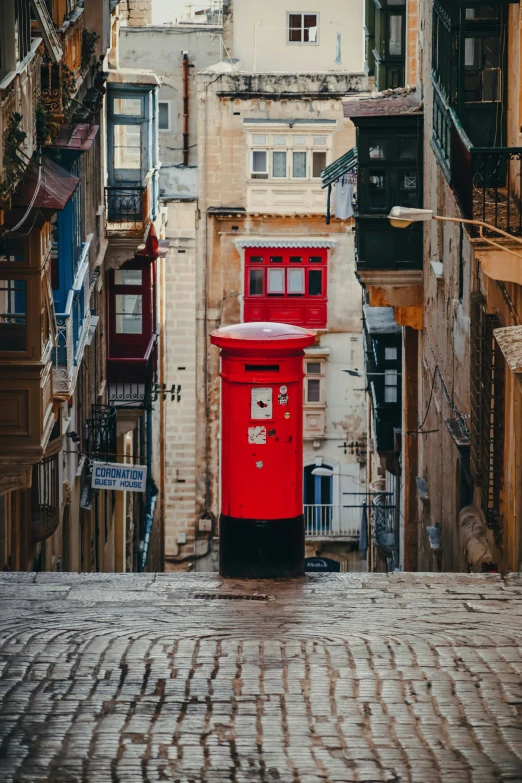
(13, 314)
(314, 382)
(288, 156)
(131, 310)
(286, 283)
(129, 136)
(390, 169)
(389, 359)
(303, 28)
(164, 115)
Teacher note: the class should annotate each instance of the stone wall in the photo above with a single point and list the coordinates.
(161, 50)
(181, 511)
(136, 13)
(445, 344)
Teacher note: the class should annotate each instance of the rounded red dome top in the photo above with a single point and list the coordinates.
(262, 333)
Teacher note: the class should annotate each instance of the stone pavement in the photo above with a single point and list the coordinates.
(185, 677)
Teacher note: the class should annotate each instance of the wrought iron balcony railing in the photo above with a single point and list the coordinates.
(45, 500)
(100, 433)
(123, 394)
(127, 209)
(486, 180)
(332, 520)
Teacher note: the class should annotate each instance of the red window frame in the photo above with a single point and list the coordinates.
(128, 345)
(303, 309)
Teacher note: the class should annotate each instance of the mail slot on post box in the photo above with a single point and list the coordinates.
(261, 522)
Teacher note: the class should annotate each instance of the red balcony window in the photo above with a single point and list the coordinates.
(132, 318)
(286, 285)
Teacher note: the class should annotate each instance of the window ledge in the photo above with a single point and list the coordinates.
(71, 18)
(317, 352)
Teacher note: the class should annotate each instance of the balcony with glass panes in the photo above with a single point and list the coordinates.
(131, 352)
(471, 55)
(286, 286)
(385, 35)
(132, 193)
(389, 173)
(284, 168)
(26, 339)
(71, 294)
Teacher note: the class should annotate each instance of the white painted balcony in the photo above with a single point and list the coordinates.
(332, 521)
(73, 330)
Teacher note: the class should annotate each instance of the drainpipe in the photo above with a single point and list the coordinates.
(185, 110)
(149, 455)
(328, 208)
(150, 503)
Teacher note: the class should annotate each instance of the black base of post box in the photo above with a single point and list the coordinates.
(261, 548)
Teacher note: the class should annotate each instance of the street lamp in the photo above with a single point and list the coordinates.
(319, 470)
(402, 217)
(322, 472)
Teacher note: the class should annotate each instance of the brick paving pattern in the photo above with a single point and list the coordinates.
(183, 677)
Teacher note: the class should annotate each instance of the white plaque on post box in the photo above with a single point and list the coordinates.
(260, 403)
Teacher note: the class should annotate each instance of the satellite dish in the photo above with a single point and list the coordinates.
(322, 472)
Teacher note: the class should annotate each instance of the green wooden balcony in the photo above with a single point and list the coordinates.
(485, 180)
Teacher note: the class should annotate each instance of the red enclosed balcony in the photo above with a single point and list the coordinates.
(287, 285)
(131, 351)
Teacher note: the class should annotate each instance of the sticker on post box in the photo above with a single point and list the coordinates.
(282, 397)
(261, 403)
(257, 435)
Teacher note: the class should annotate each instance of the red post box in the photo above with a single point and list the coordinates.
(261, 522)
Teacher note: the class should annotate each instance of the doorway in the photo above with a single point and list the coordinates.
(318, 492)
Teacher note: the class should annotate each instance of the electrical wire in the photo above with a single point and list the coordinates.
(460, 416)
(37, 209)
(181, 149)
(29, 208)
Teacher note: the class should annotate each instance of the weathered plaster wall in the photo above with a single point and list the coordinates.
(160, 49)
(261, 36)
(227, 99)
(345, 405)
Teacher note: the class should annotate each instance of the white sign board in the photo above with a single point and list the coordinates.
(116, 475)
(261, 403)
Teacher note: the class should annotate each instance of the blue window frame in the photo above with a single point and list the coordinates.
(133, 117)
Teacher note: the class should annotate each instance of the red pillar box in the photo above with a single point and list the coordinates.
(261, 522)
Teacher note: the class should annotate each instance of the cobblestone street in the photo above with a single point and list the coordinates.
(351, 677)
